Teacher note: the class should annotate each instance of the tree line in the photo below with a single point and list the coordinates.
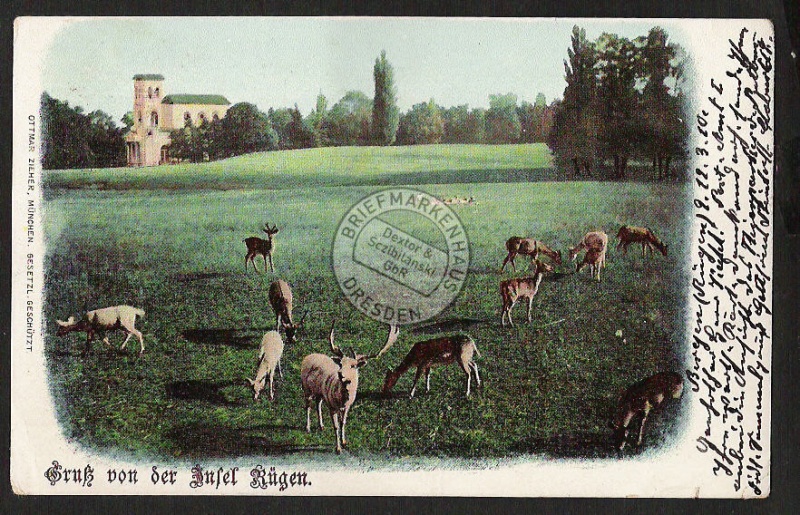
(358, 120)
(622, 104)
(72, 138)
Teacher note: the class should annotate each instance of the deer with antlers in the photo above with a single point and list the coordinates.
(257, 246)
(334, 381)
(528, 247)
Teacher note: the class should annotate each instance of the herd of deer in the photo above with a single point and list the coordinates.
(333, 379)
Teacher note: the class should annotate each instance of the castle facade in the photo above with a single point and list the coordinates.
(156, 114)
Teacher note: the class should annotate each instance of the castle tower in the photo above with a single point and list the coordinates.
(155, 115)
(148, 90)
(147, 141)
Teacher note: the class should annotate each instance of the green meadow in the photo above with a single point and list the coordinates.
(169, 240)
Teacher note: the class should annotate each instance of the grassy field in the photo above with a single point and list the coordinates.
(173, 247)
(341, 166)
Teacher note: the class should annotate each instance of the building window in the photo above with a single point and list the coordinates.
(215, 117)
(157, 92)
(202, 117)
(140, 117)
(154, 119)
(187, 117)
(149, 92)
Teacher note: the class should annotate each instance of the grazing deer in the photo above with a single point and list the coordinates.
(595, 244)
(280, 298)
(256, 246)
(629, 234)
(113, 318)
(430, 353)
(334, 380)
(642, 398)
(520, 288)
(528, 247)
(269, 357)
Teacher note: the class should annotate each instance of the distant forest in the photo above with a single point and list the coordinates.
(623, 103)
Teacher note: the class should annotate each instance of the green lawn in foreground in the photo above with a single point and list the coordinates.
(179, 255)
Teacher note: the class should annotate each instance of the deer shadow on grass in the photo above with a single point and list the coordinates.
(449, 325)
(587, 445)
(478, 175)
(204, 391)
(241, 338)
(213, 441)
(378, 395)
(556, 276)
(198, 276)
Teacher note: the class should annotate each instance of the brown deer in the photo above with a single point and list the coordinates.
(280, 298)
(334, 380)
(642, 398)
(595, 244)
(521, 288)
(430, 353)
(528, 247)
(256, 246)
(629, 234)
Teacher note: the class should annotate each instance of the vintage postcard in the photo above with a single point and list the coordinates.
(392, 256)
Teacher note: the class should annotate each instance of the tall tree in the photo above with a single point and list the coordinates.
(316, 120)
(502, 120)
(348, 121)
(105, 141)
(73, 139)
(385, 114)
(661, 115)
(573, 137)
(422, 125)
(246, 129)
(301, 136)
(621, 137)
(281, 120)
(127, 120)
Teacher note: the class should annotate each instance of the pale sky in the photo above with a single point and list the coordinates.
(277, 62)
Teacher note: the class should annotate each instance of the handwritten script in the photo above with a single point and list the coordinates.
(731, 326)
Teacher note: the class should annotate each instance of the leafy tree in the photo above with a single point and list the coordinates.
(316, 119)
(423, 124)
(348, 121)
(300, 135)
(281, 120)
(462, 125)
(574, 134)
(127, 121)
(385, 114)
(246, 129)
(72, 139)
(535, 120)
(106, 143)
(186, 143)
(502, 121)
(618, 99)
(662, 126)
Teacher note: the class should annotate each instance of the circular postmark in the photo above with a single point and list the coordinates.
(400, 255)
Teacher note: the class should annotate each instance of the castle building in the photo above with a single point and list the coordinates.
(156, 114)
